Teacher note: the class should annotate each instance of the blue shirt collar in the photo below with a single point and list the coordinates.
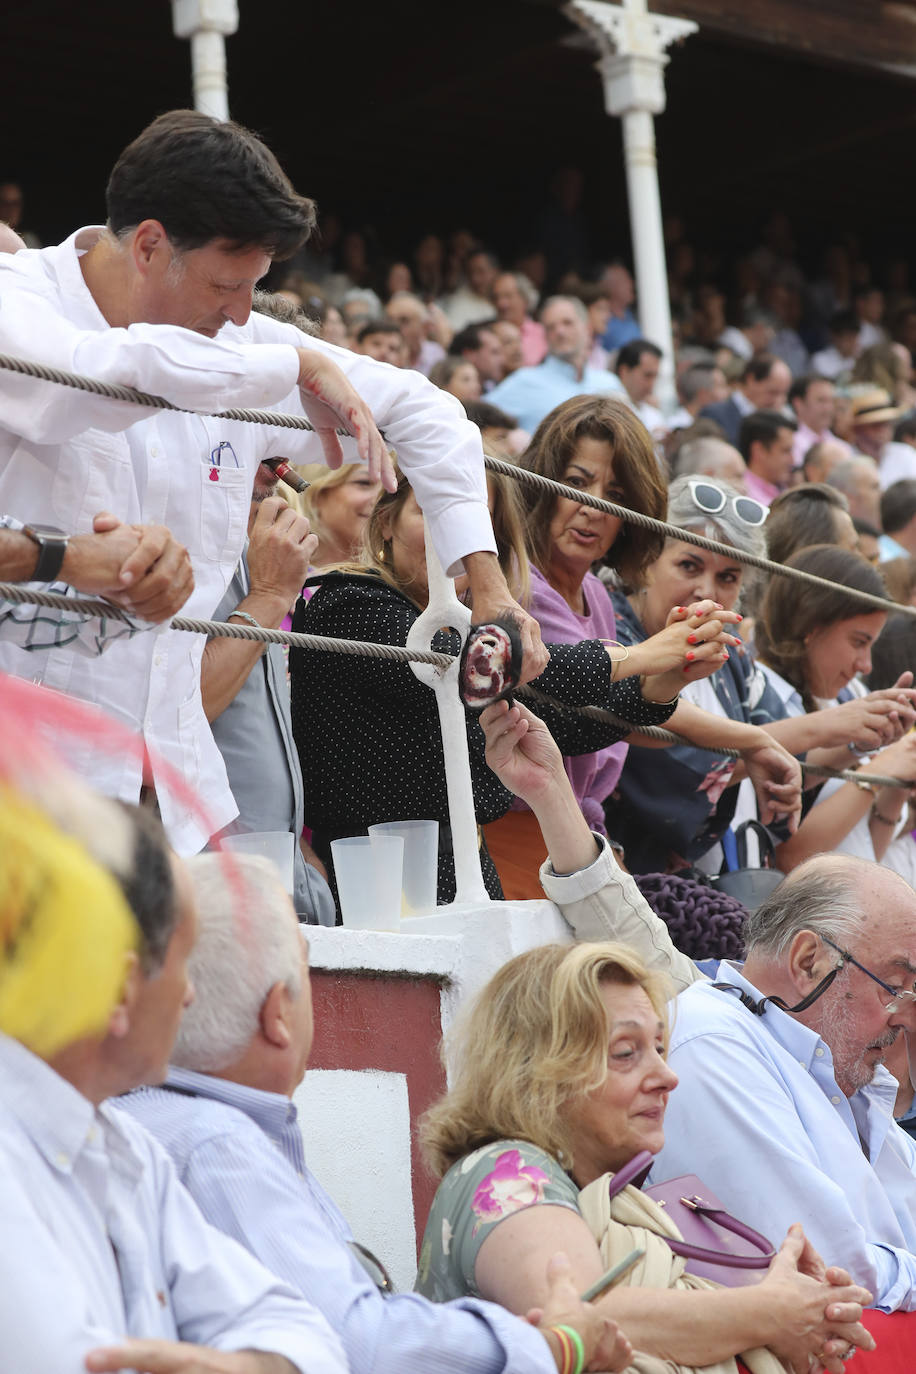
(273, 1112)
(796, 1038)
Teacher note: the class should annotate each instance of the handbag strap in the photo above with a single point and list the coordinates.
(764, 840)
(633, 1172)
(728, 1223)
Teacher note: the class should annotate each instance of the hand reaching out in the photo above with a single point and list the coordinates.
(331, 403)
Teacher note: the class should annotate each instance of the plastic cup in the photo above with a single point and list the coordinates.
(368, 871)
(421, 863)
(277, 845)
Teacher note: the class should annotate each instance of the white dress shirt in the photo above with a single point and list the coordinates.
(66, 454)
(101, 1242)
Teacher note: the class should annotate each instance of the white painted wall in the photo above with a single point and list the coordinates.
(357, 1143)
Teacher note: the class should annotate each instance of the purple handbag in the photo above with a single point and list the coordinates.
(709, 1231)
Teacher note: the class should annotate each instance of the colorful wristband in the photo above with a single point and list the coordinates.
(579, 1345)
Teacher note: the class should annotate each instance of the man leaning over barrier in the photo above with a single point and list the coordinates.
(160, 299)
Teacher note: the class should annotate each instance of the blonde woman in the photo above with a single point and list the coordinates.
(560, 1079)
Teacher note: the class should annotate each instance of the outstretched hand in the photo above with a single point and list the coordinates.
(521, 751)
(331, 403)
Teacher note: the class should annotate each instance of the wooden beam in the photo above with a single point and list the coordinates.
(834, 32)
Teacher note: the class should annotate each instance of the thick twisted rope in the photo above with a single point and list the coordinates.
(220, 629)
(271, 417)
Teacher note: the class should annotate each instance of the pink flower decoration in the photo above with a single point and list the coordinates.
(509, 1187)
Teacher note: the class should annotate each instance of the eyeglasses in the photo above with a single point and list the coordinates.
(373, 1267)
(711, 501)
(899, 996)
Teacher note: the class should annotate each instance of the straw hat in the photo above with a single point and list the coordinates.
(872, 406)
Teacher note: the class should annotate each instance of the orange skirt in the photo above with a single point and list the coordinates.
(517, 849)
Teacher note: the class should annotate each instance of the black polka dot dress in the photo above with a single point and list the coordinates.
(367, 729)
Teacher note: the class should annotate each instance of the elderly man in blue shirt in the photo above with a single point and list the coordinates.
(226, 1118)
(530, 393)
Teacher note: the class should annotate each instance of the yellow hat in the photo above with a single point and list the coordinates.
(65, 929)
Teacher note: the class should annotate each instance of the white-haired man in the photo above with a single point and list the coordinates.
(530, 392)
(225, 1117)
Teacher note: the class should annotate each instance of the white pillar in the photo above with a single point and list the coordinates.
(632, 44)
(444, 608)
(206, 23)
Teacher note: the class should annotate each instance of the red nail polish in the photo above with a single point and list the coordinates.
(680, 609)
(740, 617)
(687, 667)
(690, 657)
(691, 639)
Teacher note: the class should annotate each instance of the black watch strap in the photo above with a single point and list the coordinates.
(52, 546)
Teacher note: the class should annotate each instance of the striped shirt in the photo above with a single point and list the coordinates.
(239, 1151)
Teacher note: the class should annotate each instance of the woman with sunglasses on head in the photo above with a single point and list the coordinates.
(814, 645)
(596, 445)
(702, 800)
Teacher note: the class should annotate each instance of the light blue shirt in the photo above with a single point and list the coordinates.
(531, 392)
(101, 1242)
(239, 1152)
(758, 1115)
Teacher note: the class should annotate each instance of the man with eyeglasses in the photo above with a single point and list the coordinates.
(225, 1116)
(784, 1103)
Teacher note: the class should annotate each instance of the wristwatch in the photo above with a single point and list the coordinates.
(52, 545)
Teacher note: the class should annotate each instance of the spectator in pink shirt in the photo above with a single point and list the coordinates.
(813, 400)
(765, 442)
(514, 297)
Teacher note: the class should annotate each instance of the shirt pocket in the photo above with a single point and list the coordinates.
(225, 499)
(95, 474)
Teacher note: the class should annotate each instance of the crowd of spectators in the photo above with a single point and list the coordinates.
(180, 1229)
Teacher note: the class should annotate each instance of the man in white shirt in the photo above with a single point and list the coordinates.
(197, 209)
(637, 367)
(107, 1263)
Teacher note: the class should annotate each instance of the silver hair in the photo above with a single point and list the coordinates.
(579, 306)
(526, 286)
(701, 457)
(724, 525)
(843, 474)
(813, 897)
(412, 297)
(695, 379)
(248, 940)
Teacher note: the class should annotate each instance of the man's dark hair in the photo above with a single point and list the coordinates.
(631, 354)
(799, 389)
(865, 527)
(843, 322)
(898, 505)
(905, 429)
(380, 326)
(207, 179)
(467, 340)
(149, 886)
(760, 367)
(485, 416)
(761, 427)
